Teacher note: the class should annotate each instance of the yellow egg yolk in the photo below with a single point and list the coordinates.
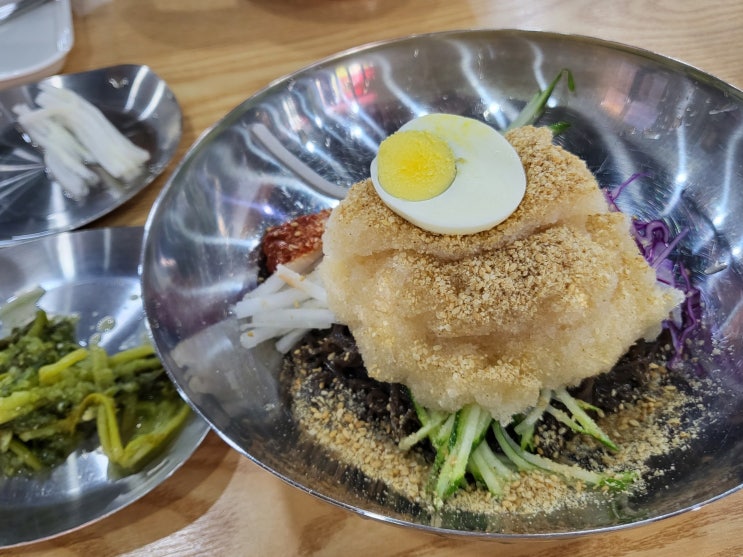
(415, 165)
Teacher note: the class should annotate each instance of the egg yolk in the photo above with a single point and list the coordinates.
(415, 165)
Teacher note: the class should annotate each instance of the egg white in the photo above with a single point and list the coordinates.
(488, 187)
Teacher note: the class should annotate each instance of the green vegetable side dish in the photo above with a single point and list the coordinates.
(54, 394)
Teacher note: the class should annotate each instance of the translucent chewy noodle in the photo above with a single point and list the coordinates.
(556, 293)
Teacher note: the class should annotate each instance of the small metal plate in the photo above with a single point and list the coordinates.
(92, 273)
(134, 99)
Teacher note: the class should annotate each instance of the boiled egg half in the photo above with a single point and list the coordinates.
(449, 174)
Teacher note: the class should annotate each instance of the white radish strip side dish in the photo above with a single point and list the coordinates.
(73, 135)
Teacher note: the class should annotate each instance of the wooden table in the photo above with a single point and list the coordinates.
(214, 54)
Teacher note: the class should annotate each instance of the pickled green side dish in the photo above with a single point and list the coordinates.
(55, 393)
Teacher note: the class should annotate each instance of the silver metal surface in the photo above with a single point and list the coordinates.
(92, 273)
(632, 111)
(134, 99)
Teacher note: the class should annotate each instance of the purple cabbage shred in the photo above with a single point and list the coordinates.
(657, 244)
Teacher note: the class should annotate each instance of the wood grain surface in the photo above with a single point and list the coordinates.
(216, 53)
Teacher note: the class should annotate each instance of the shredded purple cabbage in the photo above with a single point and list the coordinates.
(656, 243)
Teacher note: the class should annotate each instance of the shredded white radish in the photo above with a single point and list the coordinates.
(73, 177)
(302, 282)
(293, 318)
(72, 133)
(286, 298)
(253, 337)
(285, 343)
(284, 307)
(63, 155)
(269, 286)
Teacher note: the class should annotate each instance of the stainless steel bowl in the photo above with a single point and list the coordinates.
(294, 147)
